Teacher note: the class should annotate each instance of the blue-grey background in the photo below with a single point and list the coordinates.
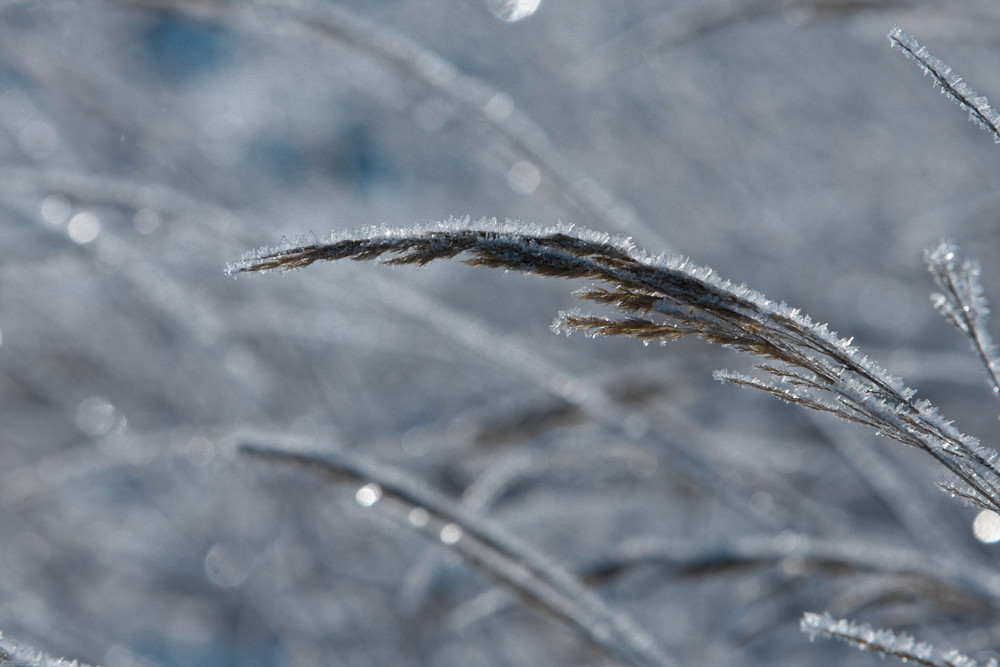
(143, 145)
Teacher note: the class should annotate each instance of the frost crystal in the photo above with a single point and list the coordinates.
(885, 642)
(665, 298)
(952, 85)
(14, 654)
(962, 302)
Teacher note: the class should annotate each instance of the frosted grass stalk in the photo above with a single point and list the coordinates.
(587, 396)
(963, 303)
(952, 86)
(885, 642)
(663, 298)
(13, 654)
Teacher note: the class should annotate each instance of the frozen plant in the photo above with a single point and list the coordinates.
(951, 84)
(662, 298)
(961, 302)
(465, 489)
(885, 642)
(16, 655)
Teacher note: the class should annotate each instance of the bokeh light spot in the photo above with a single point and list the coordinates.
(56, 209)
(38, 139)
(986, 527)
(419, 517)
(225, 567)
(499, 107)
(97, 417)
(524, 177)
(451, 533)
(84, 227)
(368, 495)
(512, 10)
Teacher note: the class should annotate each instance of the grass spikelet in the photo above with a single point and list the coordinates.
(813, 366)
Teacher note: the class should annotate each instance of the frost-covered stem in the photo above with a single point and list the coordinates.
(952, 85)
(591, 399)
(667, 298)
(494, 550)
(963, 303)
(12, 654)
(885, 642)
